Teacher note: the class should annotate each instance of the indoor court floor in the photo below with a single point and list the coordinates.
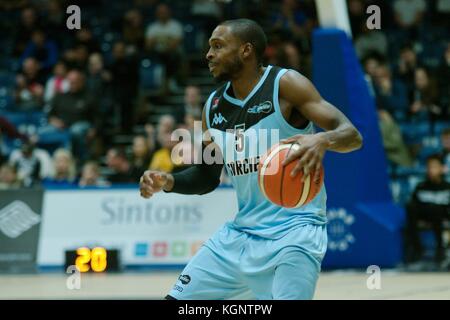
(335, 285)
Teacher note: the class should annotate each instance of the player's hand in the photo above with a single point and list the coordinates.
(309, 154)
(152, 182)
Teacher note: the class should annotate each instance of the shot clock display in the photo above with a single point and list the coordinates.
(96, 259)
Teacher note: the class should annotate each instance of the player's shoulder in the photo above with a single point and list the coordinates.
(295, 86)
(293, 77)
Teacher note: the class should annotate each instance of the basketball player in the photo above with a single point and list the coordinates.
(267, 251)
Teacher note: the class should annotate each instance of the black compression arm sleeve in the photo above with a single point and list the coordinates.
(198, 179)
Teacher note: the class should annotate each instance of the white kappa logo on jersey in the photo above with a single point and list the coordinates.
(219, 118)
(16, 218)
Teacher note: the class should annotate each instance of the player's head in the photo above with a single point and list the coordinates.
(233, 44)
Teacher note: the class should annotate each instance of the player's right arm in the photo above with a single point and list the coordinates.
(197, 179)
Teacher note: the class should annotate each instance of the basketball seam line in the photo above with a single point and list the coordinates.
(304, 195)
(264, 165)
(282, 178)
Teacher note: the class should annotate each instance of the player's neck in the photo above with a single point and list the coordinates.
(246, 81)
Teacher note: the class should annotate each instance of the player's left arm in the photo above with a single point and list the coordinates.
(339, 134)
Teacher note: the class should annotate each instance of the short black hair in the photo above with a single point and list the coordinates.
(249, 31)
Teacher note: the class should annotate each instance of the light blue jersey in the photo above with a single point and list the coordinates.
(244, 131)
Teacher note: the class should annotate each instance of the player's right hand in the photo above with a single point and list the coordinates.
(152, 182)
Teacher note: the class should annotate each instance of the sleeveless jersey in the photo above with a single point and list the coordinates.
(244, 130)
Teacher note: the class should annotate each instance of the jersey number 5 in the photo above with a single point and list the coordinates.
(239, 137)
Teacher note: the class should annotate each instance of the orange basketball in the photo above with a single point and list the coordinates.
(278, 186)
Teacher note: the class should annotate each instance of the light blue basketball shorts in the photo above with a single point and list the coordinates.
(237, 265)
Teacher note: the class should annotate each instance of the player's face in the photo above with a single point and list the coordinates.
(223, 57)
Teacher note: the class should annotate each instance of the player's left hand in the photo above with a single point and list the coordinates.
(308, 155)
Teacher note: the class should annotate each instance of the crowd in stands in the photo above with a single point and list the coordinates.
(407, 66)
(66, 96)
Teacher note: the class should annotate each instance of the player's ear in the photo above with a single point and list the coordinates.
(246, 50)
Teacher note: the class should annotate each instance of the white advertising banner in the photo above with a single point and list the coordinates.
(166, 229)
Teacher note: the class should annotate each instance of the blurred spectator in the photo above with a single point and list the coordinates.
(133, 30)
(58, 83)
(28, 23)
(166, 125)
(430, 202)
(90, 176)
(288, 56)
(8, 177)
(409, 13)
(77, 57)
(29, 92)
(162, 158)
(125, 77)
(193, 104)
(122, 171)
(141, 156)
(42, 49)
(74, 111)
(274, 42)
(84, 38)
(193, 108)
(146, 7)
(206, 14)
(425, 97)
(64, 166)
(27, 165)
(443, 75)
(443, 12)
(290, 20)
(150, 136)
(98, 85)
(445, 143)
(369, 41)
(13, 5)
(391, 94)
(396, 150)
(371, 63)
(356, 15)
(164, 42)
(45, 160)
(293, 57)
(64, 169)
(56, 21)
(406, 67)
(8, 130)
